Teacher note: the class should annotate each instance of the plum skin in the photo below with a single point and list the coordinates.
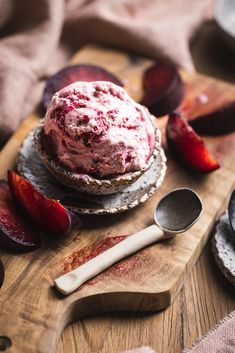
(51, 216)
(16, 232)
(187, 146)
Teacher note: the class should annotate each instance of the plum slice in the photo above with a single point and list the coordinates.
(2, 273)
(49, 214)
(16, 233)
(231, 210)
(218, 122)
(187, 146)
(163, 88)
(70, 74)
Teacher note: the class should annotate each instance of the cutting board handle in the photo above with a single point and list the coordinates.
(25, 331)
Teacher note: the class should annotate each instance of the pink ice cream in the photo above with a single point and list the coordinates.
(96, 128)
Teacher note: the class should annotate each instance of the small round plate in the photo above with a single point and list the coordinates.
(223, 248)
(30, 166)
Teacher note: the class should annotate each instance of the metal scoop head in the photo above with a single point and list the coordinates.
(178, 211)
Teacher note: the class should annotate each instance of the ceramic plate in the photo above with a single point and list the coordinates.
(223, 247)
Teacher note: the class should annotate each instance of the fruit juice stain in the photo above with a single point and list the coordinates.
(122, 269)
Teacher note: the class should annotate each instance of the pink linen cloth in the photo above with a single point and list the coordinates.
(38, 37)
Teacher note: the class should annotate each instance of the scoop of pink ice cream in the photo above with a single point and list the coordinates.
(96, 128)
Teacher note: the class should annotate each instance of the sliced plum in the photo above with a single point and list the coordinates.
(231, 210)
(2, 273)
(16, 233)
(163, 88)
(187, 146)
(49, 214)
(218, 122)
(70, 74)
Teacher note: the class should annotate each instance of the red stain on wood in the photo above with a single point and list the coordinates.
(87, 253)
(125, 268)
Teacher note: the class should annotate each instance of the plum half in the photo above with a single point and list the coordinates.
(2, 273)
(163, 88)
(218, 122)
(187, 146)
(51, 216)
(16, 233)
(70, 74)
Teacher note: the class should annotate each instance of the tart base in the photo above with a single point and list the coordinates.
(87, 183)
(30, 166)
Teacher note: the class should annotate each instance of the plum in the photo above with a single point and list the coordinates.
(49, 214)
(16, 232)
(163, 88)
(70, 74)
(218, 122)
(187, 146)
(2, 273)
(231, 210)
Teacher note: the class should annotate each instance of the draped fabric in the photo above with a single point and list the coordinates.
(38, 37)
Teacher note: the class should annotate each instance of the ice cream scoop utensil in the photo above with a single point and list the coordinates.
(175, 213)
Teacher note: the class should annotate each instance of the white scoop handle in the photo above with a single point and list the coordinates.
(70, 281)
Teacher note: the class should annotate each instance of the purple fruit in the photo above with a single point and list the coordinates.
(50, 215)
(16, 232)
(75, 73)
(218, 122)
(187, 146)
(2, 273)
(163, 88)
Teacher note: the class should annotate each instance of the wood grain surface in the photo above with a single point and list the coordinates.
(206, 296)
(35, 325)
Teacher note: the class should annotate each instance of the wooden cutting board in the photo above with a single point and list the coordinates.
(32, 313)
